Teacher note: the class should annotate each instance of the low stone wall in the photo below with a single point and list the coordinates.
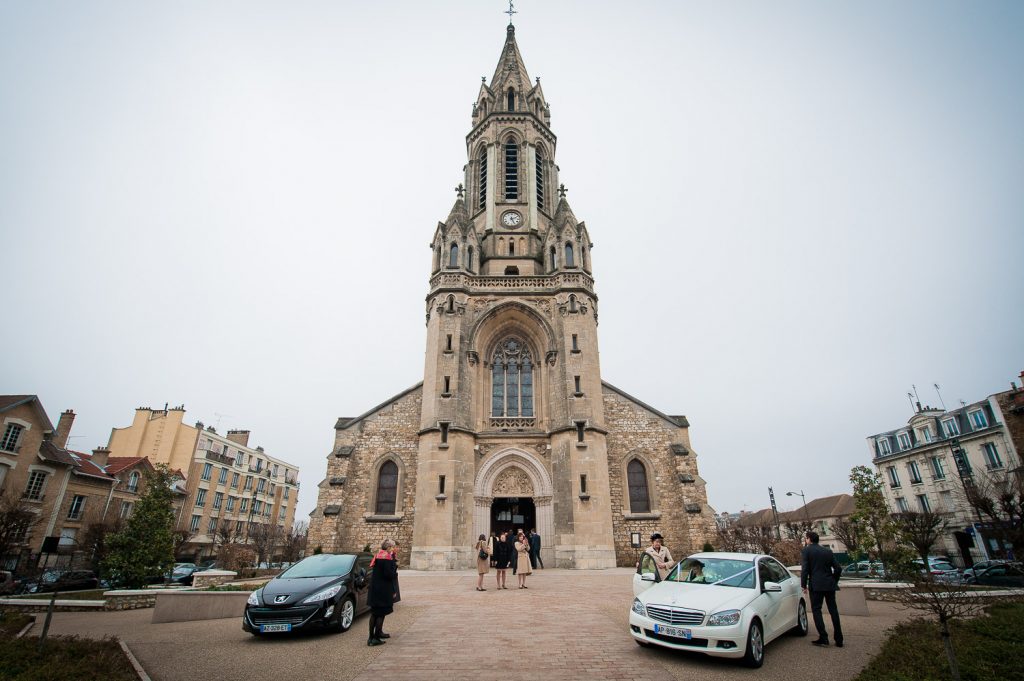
(186, 606)
(31, 605)
(130, 599)
(208, 578)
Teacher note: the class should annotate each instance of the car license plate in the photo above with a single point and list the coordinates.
(678, 632)
(264, 628)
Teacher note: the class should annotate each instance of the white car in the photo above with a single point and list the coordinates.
(721, 604)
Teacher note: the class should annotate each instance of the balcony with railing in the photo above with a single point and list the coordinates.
(220, 458)
(512, 422)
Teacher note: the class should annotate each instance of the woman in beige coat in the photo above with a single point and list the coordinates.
(483, 565)
(523, 566)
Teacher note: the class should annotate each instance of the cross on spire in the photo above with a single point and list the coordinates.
(460, 190)
(562, 190)
(510, 12)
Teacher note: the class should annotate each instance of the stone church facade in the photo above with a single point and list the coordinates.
(512, 425)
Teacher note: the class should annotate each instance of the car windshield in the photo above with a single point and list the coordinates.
(714, 571)
(320, 565)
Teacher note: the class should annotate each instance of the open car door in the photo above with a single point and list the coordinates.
(646, 574)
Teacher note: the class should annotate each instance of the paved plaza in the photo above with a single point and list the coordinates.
(569, 624)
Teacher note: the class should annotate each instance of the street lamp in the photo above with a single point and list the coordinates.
(804, 500)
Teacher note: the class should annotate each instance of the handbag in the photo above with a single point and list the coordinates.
(482, 555)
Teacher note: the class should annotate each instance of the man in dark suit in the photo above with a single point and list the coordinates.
(535, 549)
(820, 569)
(512, 550)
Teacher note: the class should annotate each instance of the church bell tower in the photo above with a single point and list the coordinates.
(512, 429)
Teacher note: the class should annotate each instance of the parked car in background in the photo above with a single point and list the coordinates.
(864, 569)
(980, 566)
(1006, 574)
(182, 574)
(939, 567)
(721, 604)
(325, 591)
(63, 580)
(208, 565)
(8, 584)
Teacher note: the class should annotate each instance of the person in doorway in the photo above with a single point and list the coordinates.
(381, 598)
(535, 558)
(490, 543)
(502, 557)
(483, 561)
(512, 551)
(660, 554)
(523, 559)
(820, 570)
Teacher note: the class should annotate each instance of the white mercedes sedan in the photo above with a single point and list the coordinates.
(722, 604)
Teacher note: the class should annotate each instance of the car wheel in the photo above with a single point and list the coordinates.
(346, 615)
(801, 619)
(754, 656)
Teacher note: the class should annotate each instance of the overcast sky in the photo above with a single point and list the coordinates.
(799, 210)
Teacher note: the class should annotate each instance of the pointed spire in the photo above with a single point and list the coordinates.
(511, 64)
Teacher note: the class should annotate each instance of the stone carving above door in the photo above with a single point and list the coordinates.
(512, 482)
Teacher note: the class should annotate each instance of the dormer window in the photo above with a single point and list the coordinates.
(925, 433)
(511, 170)
(511, 99)
(978, 419)
(904, 440)
(950, 428)
(883, 447)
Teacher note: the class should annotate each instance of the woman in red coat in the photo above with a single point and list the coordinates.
(381, 598)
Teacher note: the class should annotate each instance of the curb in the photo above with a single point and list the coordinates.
(25, 629)
(133, 661)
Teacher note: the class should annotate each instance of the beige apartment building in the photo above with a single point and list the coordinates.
(925, 464)
(233, 490)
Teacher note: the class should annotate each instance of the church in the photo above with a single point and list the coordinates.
(512, 425)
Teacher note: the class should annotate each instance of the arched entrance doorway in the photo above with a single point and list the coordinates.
(513, 513)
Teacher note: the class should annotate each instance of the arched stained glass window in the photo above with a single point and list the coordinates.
(511, 169)
(569, 260)
(639, 499)
(512, 379)
(453, 259)
(387, 488)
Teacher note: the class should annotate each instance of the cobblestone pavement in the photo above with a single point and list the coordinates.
(569, 624)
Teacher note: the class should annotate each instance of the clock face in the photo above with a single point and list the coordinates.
(511, 219)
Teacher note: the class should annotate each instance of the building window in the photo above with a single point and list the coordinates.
(239, 458)
(453, 256)
(946, 497)
(926, 434)
(570, 261)
(448, 343)
(193, 526)
(950, 428)
(583, 483)
(992, 459)
(482, 188)
(904, 440)
(234, 480)
(894, 477)
(211, 527)
(922, 500)
(883, 447)
(580, 431)
(511, 99)
(77, 506)
(286, 490)
(261, 486)
(639, 499)
(511, 246)
(218, 500)
(231, 503)
(978, 419)
(915, 473)
(257, 507)
(554, 259)
(511, 170)
(444, 432)
(11, 437)
(34, 488)
(440, 484)
(240, 526)
(126, 509)
(576, 380)
(248, 483)
(540, 178)
(223, 476)
(207, 471)
(243, 505)
(512, 379)
(469, 258)
(201, 497)
(902, 505)
(575, 343)
(133, 482)
(68, 536)
(387, 488)
(938, 468)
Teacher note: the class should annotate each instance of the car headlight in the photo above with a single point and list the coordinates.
(639, 608)
(724, 619)
(330, 592)
(253, 598)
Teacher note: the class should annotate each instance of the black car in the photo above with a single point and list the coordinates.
(71, 580)
(1007, 575)
(324, 591)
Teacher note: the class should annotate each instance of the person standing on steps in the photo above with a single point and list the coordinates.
(820, 569)
(381, 598)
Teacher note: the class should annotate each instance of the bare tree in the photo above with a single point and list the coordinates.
(181, 538)
(263, 537)
(762, 538)
(295, 542)
(921, 530)
(731, 537)
(848, 531)
(998, 499)
(16, 519)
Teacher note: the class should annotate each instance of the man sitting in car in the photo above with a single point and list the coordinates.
(660, 554)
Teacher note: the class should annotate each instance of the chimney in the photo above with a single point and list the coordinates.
(60, 438)
(240, 437)
(100, 456)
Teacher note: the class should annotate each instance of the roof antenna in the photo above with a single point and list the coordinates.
(910, 398)
(917, 399)
(940, 397)
(510, 12)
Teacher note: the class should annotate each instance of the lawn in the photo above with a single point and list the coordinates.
(12, 622)
(988, 648)
(64, 658)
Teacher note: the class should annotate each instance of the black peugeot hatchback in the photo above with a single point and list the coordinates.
(323, 591)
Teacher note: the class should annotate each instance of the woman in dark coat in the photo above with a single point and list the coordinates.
(502, 557)
(381, 597)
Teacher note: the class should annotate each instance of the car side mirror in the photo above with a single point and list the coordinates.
(771, 587)
(647, 577)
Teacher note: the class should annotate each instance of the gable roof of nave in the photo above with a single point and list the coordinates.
(345, 422)
(678, 421)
